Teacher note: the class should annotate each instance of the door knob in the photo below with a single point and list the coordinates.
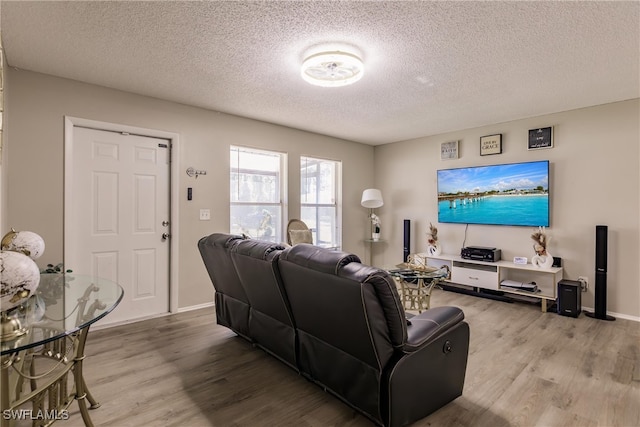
(165, 223)
(165, 236)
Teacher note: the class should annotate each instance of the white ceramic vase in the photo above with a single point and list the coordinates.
(542, 261)
(434, 249)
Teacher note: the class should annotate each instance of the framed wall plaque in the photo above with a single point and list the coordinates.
(540, 138)
(491, 144)
(449, 150)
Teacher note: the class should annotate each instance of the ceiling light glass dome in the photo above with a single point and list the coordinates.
(332, 69)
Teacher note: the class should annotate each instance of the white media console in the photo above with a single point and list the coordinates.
(490, 275)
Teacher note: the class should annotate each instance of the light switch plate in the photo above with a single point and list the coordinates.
(205, 214)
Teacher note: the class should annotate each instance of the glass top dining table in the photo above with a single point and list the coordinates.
(416, 284)
(63, 304)
(43, 341)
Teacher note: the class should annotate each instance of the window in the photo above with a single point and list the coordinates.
(257, 189)
(320, 200)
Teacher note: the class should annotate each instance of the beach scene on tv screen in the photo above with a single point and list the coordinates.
(508, 194)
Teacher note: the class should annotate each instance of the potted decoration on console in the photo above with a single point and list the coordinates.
(542, 258)
(375, 220)
(433, 247)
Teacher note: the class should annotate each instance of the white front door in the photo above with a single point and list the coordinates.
(117, 209)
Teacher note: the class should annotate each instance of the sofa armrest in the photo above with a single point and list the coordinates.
(427, 326)
(424, 380)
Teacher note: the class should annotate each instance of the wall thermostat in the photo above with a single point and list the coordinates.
(519, 260)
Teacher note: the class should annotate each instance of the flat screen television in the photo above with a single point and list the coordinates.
(508, 194)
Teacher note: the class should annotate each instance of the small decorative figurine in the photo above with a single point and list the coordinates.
(375, 220)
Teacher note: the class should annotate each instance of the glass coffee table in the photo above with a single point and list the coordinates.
(43, 341)
(416, 285)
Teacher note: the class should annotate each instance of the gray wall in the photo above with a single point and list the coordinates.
(33, 164)
(594, 180)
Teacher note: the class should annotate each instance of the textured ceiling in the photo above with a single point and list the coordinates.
(431, 67)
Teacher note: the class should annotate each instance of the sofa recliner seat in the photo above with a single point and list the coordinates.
(270, 321)
(350, 332)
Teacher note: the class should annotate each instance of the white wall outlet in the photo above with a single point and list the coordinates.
(584, 283)
(205, 214)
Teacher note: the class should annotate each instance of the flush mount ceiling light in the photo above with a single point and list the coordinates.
(332, 69)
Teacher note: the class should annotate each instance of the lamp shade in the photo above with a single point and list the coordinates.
(372, 198)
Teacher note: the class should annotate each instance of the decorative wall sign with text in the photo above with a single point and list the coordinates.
(540, 138)
(449, 150)
(491, 144)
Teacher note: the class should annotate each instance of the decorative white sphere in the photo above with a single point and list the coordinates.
(19, 279)
(26, 242)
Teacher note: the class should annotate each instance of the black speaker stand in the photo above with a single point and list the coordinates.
(596, 316)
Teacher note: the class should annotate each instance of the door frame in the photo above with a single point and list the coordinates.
(174, 186)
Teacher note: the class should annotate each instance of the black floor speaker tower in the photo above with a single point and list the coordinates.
(406, 246)
(600, 303)
(569, 298)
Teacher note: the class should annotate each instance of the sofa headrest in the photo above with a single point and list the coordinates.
(221, 240)
(317, 258)
(258, 249)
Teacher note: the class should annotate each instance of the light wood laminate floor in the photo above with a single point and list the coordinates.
(526, 368)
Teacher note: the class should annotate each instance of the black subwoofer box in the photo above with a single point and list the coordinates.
(569, 298)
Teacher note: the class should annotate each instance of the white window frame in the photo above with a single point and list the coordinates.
(281, 175)
(337, 202)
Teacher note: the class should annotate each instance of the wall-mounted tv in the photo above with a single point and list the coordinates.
(508, 194)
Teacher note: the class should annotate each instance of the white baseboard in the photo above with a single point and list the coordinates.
(98, 326)
(616, 315)
(196, 307)
(154, 316)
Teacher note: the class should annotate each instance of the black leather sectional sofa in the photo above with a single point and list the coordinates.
(340, 324)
